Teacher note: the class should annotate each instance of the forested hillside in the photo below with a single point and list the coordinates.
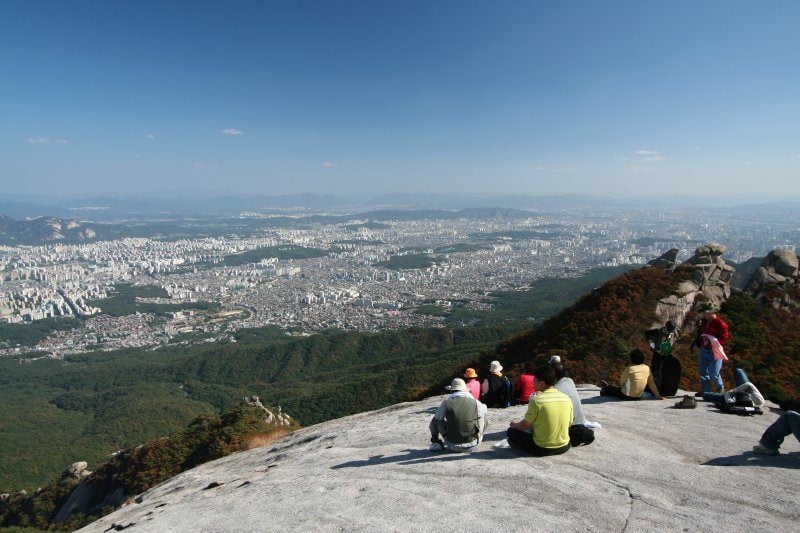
(595, 335)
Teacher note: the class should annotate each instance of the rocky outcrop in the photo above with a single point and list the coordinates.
(112, 484)
(667, 261)
(777, 279)
(278, 418)
(709, 280)
(651, 468)
(77, 470)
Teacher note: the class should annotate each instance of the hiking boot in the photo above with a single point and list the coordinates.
(688, 402)
(763, 450)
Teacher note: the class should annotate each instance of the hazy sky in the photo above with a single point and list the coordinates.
(275, 97)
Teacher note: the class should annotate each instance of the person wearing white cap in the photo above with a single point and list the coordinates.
(497, 390)
(460, 420)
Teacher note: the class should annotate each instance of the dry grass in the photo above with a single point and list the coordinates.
(263, 439)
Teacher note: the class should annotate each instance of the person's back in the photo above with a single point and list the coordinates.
(714, 325)
(461, 417)
(496, 389)
(567, 386)
(460, 420)
(634, 380)
(552, 417)
(473, 385)
(545, 428)
(525, 386)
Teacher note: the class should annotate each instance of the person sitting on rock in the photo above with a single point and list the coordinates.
(497, 390)
(633, 381)
(460, 420)
(713, 333)
(525, 385)
(473, 385)
(579, 433)
(771, 440)
(567, 386)
(545, 428)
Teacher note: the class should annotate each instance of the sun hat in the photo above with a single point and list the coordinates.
(457, 384)
(470, 373)
(495, 366)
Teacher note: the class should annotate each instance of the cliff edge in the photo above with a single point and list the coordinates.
(650, 468)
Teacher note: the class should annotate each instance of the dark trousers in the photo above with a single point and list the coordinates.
(616, 392)
(524, 441)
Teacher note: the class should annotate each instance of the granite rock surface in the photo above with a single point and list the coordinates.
(651, 468)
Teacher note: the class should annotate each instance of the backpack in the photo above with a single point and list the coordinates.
(508, 393)
(580, 435)
(501, 392)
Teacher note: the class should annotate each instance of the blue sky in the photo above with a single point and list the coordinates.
(612, 98)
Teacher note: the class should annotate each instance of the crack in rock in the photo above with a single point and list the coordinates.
(631, 496)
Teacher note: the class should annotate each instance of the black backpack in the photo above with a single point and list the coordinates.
(501, 392)
(580, 435)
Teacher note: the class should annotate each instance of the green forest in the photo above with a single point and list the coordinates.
(407, 262)
(124, 301)
(53, 413)
(282, 252)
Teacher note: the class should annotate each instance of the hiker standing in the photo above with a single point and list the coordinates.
(713, 332)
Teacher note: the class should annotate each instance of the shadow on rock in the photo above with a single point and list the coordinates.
(496, 436)
(601, 399)
(415, 457)
(787, 460)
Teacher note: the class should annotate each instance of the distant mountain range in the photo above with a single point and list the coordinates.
(116, 209)
(48, 230)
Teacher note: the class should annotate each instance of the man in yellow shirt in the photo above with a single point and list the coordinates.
(633, 381)
(545, 428)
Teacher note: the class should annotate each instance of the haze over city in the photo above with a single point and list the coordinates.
(605, 98)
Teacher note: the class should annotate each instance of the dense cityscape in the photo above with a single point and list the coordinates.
(360, 275)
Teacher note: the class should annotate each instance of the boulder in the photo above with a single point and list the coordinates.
(783, 261)
(77, 470)
(667, 260)
(686, 287)
(776, 279)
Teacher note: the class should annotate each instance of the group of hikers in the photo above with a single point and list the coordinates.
(554, 420)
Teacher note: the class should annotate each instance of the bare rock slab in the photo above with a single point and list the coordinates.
(651, 468)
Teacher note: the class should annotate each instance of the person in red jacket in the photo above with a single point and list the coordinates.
(525, 385)
(709, 363)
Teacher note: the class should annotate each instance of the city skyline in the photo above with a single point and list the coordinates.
(619, 98)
